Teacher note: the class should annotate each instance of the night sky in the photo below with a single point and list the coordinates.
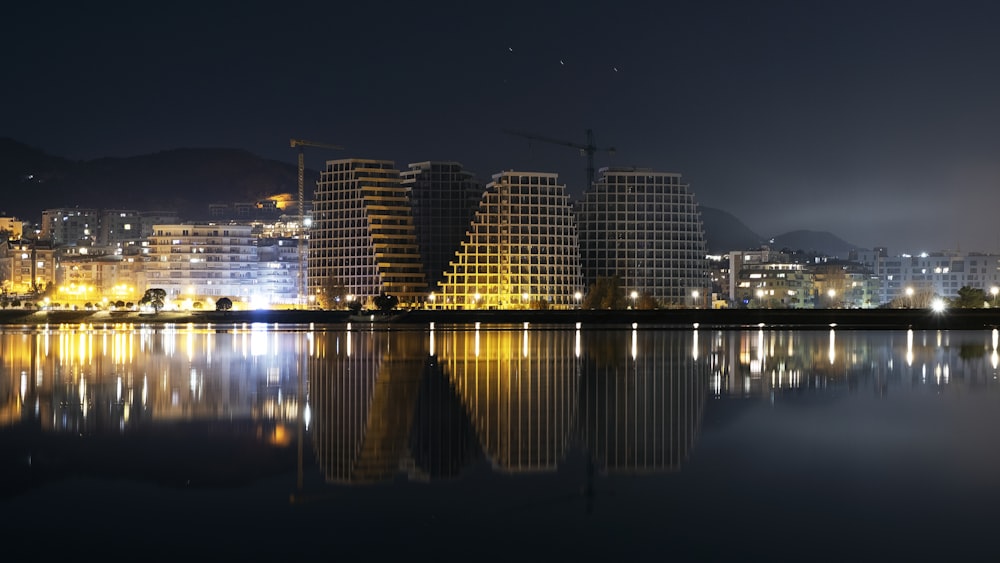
(878, 121)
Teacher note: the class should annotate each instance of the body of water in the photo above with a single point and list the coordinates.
(272, 442)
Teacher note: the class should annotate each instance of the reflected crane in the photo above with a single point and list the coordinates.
(301, 145)
(588, 149)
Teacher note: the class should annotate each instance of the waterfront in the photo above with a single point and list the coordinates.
(265, 442)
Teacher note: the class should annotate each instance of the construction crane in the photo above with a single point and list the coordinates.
(301, 145)
(587, 149)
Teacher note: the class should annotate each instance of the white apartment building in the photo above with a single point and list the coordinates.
(362, 236)
(645, 228)
(939, 274)
(204, 262)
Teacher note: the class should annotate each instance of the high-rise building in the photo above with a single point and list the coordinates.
(645, 228)
(444, 197)
(362, 238)
(521, 251)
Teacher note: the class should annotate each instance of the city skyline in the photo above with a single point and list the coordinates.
(870, 120)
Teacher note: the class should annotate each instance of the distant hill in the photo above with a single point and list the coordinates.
(181, 180)
(822, 242)
(188, 180)
(724, 232)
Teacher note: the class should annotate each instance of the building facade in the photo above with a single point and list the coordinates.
(444, 197)
(910, 280)
(70, 226)
(362, 236)
(645, 228)
(27, 266)
(521, 251)
(204, 262)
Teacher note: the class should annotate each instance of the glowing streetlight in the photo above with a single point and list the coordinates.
(694, 298)
(831, 293)
(578, 296)
(760, 298)
(634, 295)
(909, 297)
(994, 291)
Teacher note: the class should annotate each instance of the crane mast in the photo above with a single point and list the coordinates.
(586, 149)
(301, 144)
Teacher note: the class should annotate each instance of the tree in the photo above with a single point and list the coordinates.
(386, 303)
(224, 304)
(605, 293)
(154, 298)
(969, 298)
(333, 294)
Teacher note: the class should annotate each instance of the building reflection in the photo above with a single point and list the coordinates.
(377, 403)
(428, 404)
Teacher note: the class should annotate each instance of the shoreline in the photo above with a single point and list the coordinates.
(804, 319)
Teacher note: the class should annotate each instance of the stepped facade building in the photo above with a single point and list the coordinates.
(362, 238)
(444, 197)
(645, 228)
(521, 250)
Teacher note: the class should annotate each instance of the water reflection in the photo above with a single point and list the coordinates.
(426, 403)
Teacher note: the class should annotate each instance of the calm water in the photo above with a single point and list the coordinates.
(267, 443)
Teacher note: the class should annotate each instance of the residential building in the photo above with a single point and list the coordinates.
(70, 226)
(204, 262)
(362, 235)
(444, 197)
(278, 267)
(521, 250)
(645, 228)
(27, 266)
(13, 227)
(910, 280)
(774, 285)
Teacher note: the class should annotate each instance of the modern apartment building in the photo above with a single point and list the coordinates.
(521, 250)
(362, 237)
(204, 262)
(645, 228)
(914, 278)
(444, 197)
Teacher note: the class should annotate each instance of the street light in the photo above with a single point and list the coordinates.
(832, 294)
(909, 297)
(994, 291)
(760, 298)
(578, 296)
(634, 295)
(694, 298)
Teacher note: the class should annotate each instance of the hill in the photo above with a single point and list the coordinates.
(822, 242)
(181, 180)
(187, 180)
(724, 232)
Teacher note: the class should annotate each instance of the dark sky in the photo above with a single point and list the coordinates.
(876, 120)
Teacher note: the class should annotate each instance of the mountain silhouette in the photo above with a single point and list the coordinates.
(187, 180)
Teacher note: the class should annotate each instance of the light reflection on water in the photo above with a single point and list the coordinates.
(343, 406)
